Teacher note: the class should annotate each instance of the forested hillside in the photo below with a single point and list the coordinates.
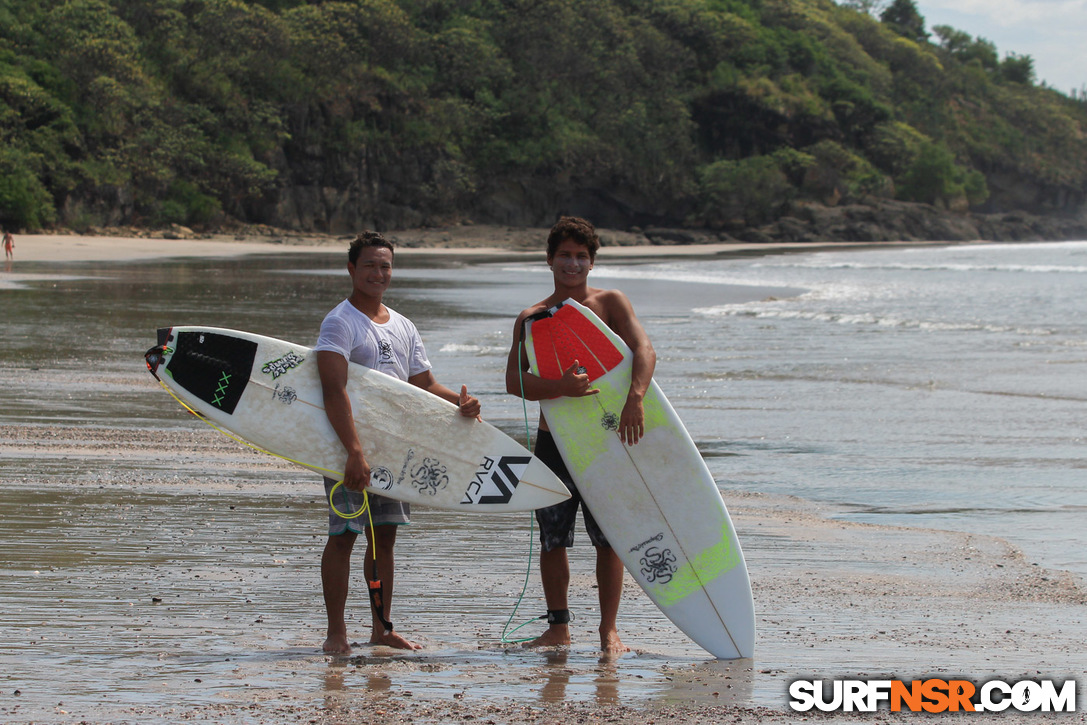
(333, 116)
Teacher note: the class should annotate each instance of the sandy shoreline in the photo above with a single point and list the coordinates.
(465, 240)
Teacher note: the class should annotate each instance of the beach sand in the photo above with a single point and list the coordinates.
(182, 602)
(459, 240)
(235, 632)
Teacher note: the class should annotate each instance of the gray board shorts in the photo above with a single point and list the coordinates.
(385, 512)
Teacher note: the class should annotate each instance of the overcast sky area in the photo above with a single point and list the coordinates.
(1052, 32)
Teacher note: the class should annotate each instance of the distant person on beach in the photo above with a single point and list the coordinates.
(363, 330)
(9, 246)
(571, 251)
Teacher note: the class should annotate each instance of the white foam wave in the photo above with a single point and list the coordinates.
(689, 274)
(454, 348)
(770, 312)
(943, 267)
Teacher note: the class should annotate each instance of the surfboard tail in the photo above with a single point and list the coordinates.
(155, 356)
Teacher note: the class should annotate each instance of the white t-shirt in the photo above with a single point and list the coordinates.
(394, 348)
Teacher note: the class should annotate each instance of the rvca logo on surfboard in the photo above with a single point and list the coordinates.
(496, 480)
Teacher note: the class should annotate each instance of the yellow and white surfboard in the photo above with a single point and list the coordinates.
(656, 501)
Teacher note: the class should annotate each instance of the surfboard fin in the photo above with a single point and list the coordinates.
(153, 358)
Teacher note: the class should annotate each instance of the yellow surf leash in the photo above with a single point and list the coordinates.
(375, 586)
(365, 505)
(244, 442)
(365, 496)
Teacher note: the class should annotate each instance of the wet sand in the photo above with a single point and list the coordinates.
(160, 572)
(183, 584)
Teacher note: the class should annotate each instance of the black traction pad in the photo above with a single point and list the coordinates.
(213, 367)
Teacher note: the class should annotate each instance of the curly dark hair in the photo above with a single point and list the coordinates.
(575, 229)
(367, 239)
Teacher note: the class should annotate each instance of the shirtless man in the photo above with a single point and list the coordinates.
(571, 251)
(362, 329)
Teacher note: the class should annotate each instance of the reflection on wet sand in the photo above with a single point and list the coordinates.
(557, 677)
(604, 678)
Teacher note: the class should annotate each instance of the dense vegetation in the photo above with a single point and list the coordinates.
(334, 115)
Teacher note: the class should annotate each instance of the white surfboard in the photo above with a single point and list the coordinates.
(420, 448)
(655, 501)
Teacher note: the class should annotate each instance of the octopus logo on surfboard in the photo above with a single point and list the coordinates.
(658, 565)
(496, 479)
(429, 476)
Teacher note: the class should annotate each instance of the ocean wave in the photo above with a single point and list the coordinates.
(683, 273)
(937, 267)
(865, 319)
(454, 348)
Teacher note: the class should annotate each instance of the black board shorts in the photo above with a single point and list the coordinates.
(557, 522)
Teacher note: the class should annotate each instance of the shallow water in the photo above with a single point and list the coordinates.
(153, 564)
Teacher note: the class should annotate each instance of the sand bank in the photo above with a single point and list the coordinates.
(462, 240)
(70, 248)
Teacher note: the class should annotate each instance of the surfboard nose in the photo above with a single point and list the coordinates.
(540, 487)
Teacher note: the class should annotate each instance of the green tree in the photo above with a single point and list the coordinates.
(835, 174)
(869, 7)
(750, 191)
(25, 203)
(1017, 69)
(905, 19)
(965, 49)
(935, 178)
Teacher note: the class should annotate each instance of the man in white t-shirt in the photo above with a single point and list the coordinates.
(361, 329)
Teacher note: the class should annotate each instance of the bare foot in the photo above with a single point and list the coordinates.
(610, 643)
(393, 639)
(337, 645)
(557, 635)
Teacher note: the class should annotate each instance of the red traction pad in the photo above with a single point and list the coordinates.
(567, 336)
